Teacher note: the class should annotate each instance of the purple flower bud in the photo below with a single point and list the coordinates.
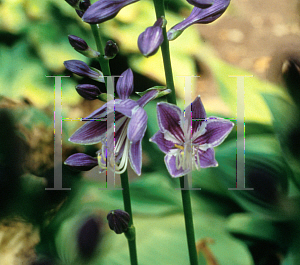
(125, 84)
(78, 43)
(104, 10)
(82, 69)
(201, 3)
(118, 221)
(87, 91)
(150, 40)
(84, 5)
(199, 16)
(81, 162)
(111, 49)
(89, 236)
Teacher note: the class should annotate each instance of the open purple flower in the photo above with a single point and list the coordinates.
(188, 140)
(104, 10)
(199, 16)
(122, 138)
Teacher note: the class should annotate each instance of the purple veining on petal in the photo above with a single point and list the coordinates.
(137, 125)
(163, 144)
(81, 68)
(91, 132)
(135, 156)
(198, 114)
(126, 107)
(104, 10)
(147, 97)
(217, 130)
(124, 86)
(207, 158)
(170, 161)
(169, 117)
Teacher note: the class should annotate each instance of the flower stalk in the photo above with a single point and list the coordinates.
(102, 61)
(130, 233)
(165, 50)
(171, 98)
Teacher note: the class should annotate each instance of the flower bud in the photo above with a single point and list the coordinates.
(84, 5)
(81, 162)
(150, 40)
(78, 43)
(82, 69)
(111, 49)
(124, 85)
(89, 236)
(87, 91)
(81, 46)
(73, 3)
(201, 3)
(104, 10)
(118, 221)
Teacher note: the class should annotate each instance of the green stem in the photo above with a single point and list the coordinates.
(171, 98)
(165, 50)
(103, 62)
(188, 216)
(127, 208)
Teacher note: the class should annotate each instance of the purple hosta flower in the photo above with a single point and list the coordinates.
(200, 16)
(188, 140)
(150, 40)
(87, 91)
(104, 10)
(121, 139)
(201, 3)
(82, 69)
(81, 162)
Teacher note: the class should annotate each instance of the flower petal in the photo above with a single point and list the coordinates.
(163, 144)
(152, 94)
(169, 119)
(126, 107)
(124, 86)
(135, 157)
(207, 158)
(198, 114)
(90, 133)
(170, 161)
(137, 125)
(217, 130)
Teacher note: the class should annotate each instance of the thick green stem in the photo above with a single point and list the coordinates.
(188, 216)
(127, 208)
(103, 62)
(165, 50)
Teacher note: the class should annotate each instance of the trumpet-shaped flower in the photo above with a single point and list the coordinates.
(188, 138)
(121, 139)
(200, 16)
